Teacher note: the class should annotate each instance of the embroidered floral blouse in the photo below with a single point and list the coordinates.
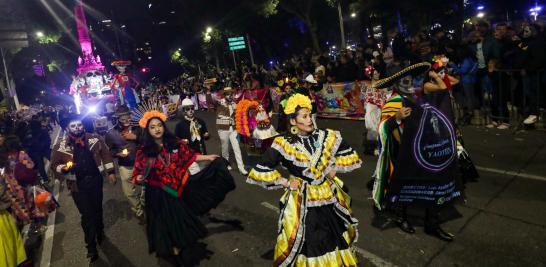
(169, 170)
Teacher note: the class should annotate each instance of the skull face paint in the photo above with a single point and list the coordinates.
(121, 69)
(125, 121)
(405, 86)
(229, 97)
(189, 111)
(75, 128)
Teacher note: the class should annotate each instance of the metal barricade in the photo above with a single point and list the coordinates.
(515, 93)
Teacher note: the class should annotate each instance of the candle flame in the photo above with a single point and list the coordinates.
(125, 151)
(69, 164)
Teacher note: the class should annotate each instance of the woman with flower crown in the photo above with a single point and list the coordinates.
(316, 226)
(175, 195)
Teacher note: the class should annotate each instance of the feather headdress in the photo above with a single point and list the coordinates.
(147, 110)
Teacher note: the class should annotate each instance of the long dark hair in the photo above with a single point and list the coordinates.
(150, 147)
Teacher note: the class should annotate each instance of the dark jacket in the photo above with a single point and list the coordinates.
(491, 49)
(63, 152)
(182, 132)
(117, 143)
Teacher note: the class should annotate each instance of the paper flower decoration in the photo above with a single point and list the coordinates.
(149, 115)
(295, 101)
(241, 116)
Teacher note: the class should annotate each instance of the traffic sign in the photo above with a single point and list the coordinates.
(235, 39)
(238, 47)
(236, 43)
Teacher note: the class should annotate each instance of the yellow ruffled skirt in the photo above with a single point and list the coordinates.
(316, 227)
(12, 249)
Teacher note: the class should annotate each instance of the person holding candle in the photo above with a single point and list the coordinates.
(122, 141)
(82, 159)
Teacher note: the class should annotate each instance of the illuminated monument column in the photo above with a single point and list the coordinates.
(88, 62)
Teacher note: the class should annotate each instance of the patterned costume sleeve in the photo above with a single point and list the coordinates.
(140, 165)
(264, 173)
(389, 138)
(346, 158)
(186, 156)
(106, 157)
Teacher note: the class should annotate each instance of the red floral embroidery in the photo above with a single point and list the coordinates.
(168, 169)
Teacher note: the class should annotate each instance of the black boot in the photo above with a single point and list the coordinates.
(438, 232)
(432, 225)
(405, 226)
(403, 222)
(92, 254)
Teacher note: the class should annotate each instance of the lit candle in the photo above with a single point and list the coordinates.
(125, 151)
(69, 164)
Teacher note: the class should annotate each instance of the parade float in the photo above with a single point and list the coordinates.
(92, 86)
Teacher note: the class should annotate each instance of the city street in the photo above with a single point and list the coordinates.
(502, 223)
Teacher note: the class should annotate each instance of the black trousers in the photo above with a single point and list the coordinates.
(89, 203)
(500, 96)
(432, 218)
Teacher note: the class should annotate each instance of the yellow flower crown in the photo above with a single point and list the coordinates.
(150, 115)
(295, 101)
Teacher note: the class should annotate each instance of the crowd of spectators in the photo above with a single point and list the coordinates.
(496, 64)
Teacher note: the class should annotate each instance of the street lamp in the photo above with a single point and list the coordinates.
(39, 34)
(480, 15)
(353, 15)
(209, 29)
(535, 11)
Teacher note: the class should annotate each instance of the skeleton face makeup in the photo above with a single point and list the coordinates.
(188, 111)
(125, 121)
(75, 128)
(229, 97)
(405, 86)
(121, 69)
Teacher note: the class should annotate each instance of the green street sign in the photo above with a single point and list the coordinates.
(237, 43)
(237, 47)
(235, 39)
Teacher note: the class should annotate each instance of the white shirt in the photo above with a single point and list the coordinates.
(480, 56)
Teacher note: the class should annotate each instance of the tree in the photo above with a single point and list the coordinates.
(302, 9)
(415, 14)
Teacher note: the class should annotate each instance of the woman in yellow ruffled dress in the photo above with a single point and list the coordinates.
(12, 250)
(316, 225)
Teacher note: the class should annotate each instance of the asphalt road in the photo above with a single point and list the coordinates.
(501, 224)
